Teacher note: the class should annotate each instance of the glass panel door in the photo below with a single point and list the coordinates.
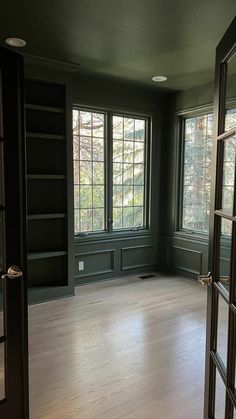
(220, 395)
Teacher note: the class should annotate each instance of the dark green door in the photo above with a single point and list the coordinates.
(13, 288)
(220, 383)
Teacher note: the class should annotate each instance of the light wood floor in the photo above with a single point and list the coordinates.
(128, 348)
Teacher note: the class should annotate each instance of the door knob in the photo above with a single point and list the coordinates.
(205, 279)
(13, 272)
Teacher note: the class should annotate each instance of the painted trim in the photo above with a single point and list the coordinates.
(116, 236)
(105, 271)
(94, 274)
(184, 249)
(51, 63)
(198, 110)
(123, 249)
(95, 252)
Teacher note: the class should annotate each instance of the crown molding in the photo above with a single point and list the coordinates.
(51, 63)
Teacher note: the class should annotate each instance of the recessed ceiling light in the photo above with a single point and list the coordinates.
(15, 42)
(159, 79)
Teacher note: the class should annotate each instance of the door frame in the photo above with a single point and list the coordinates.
(16, 403)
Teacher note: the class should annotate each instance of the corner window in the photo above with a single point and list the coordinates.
(197, 173)
(197, 154)
(110, 171)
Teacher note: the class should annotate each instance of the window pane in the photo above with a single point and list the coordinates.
(224, 259)
(77, 220)
(85, 170)
(139, 130)
(128, 218)
(197, 167)
(138, 216)
(117, 173)
(128, 196)
(118, 127)
(98, 125)
(128, 175)
(76, 196)
(129, 129)
(98, 219)
(128, 152)
(128, 172)
(98, 173)
(220, 393)
(139, 153)
(138, 174)
(230, 120)
(117, 196)
(85, 148)
(86, 222)
(98, 149)
(89, 168)
(98, 197)
(228, 174)
(85, 197)
(2, 371)
(85, 123)
(118, 151)
(222, 329)
(117, 214)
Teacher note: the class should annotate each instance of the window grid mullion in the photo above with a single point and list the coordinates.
(92, 185)
(109, 169)
(128, 165)
(123, 175)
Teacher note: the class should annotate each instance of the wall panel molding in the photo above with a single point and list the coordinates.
(97, 262)
(137, 257)
(183, 259)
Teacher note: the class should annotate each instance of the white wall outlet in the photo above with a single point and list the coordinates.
(81, 265)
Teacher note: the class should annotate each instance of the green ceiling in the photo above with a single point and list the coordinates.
(128, 39)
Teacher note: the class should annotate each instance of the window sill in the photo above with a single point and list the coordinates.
(192, 235)
(119, 235)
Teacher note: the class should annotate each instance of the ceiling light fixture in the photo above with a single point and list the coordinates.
(159, 79)
(15, 42)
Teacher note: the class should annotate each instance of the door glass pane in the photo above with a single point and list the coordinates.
(220, 398)
(1, 242)
(1, 309)
(225, 254)
(2, 372)
(229, 174)
(222, 329)
(230, 90)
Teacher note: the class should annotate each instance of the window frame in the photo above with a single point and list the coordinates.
(182, 116)
(109, 112)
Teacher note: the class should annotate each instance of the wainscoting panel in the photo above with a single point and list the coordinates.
(95, 263)
(138, 257)
(183, 259)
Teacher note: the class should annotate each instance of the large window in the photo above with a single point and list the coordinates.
(197, 171)
(128, 172)
(110, 180)
(89, 170)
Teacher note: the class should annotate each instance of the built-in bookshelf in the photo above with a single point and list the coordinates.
(47, 186)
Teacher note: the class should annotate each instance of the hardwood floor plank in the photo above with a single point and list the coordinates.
(127, 348)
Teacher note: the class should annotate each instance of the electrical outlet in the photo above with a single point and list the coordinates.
(81, 265)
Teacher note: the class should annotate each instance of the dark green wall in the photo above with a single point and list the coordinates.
(135, 252)
(163, 247)
(181, 252)
(119, 255)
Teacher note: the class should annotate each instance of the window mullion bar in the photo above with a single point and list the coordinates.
(109, 171)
